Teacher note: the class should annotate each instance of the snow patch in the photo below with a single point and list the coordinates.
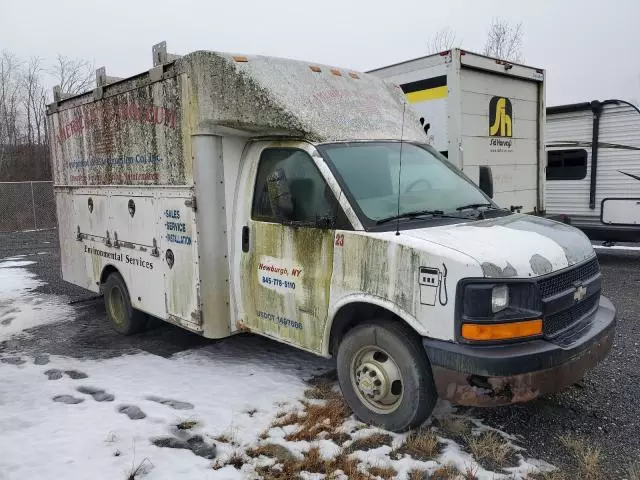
(20, 307)
(222, 381)
(16, 263)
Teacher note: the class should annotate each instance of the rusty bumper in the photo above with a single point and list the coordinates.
(505, 374)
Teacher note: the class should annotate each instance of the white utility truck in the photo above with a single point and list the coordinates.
(482, 112)
(230, 193)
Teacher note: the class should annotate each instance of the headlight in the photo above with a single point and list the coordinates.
(502, 300)
(499, 298)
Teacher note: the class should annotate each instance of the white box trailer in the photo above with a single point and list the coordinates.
(481, 111)
(593, 168)
(229, 193)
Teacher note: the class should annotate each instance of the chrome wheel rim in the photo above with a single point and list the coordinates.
(376, 379)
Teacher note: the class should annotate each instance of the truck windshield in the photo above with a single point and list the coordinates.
(370, 174)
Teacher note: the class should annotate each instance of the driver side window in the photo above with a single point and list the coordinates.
(289, 188)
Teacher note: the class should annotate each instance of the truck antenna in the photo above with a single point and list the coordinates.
(404, 108)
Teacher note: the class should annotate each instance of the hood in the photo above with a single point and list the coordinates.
(515, 245)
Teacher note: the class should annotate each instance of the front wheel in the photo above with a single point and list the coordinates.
(124, 318)
(385, 375)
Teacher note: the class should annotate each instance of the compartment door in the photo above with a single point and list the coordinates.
(621, 211)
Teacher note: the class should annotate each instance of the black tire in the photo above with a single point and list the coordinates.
(418, 393)
(123, 317)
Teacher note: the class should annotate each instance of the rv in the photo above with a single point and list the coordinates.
(482, 112)
(230, 193)
(593, 168)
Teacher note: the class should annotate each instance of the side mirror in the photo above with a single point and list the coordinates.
(280, 194)
(486, 180)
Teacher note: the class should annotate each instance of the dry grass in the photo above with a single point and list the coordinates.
(280, 453)
(251, 412)
(236, 461)
(141, 470)
(552, 475)
(223, 438)
(318, 418)
(470, 473)
(321, 389)
(456, 427)
(314, 463)
(264, 435)
(634, 471)
(421, 444)
(375, 440)
(586, 457)
(417, 474)
(386, 473)
(186, 425)
(287, 418)
(339, 438)
(446, 472)
(489, 449)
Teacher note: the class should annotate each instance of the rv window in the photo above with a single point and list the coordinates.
(290, 188)
(566, 164)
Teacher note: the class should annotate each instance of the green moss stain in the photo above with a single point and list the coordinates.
(380, 268)
(313, 250)
(303, 309)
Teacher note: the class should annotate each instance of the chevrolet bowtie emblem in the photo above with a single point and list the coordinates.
(580, 293)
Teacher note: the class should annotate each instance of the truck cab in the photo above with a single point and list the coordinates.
(302, 202)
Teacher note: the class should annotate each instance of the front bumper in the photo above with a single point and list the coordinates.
(504, 374)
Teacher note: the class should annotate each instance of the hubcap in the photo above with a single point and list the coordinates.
(116, 306)
(376, 379)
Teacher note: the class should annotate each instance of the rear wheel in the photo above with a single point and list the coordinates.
(124, 318)
(385, 375)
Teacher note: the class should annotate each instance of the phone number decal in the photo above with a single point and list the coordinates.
(277, 282)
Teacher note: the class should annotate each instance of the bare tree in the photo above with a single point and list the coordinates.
(9, 100)
(504, 40)
(31, 99)
(74, 75)
(441, 41)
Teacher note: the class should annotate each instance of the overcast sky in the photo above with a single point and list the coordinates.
(590, 49)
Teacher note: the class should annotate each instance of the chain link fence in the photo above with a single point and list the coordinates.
(27, 206)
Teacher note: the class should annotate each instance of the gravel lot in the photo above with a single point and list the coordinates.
(603, 409)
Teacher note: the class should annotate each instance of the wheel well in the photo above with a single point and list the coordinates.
(108, 270)
(351, 315)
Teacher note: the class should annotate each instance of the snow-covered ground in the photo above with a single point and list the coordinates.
(20, 306)
(76, 419)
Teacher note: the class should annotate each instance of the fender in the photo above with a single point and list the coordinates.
(372, 300)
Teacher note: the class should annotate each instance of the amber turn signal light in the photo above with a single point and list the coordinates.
(501, 331)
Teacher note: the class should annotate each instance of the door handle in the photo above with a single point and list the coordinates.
(245, 239)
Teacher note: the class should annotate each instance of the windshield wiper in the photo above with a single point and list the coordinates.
(418, 213)
(475, 205)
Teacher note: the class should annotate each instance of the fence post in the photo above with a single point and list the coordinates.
(33, 203)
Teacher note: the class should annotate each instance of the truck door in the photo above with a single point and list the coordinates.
(287, 244)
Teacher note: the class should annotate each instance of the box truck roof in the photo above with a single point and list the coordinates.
(262, 95)
(322, 103)
(138, 130)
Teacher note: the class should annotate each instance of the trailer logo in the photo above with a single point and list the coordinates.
(500, 114)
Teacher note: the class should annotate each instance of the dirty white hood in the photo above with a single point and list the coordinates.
(516, 245)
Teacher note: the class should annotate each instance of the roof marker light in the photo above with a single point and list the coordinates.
(315, 68)
(336, 72)
(240, 58)
(354, 75)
